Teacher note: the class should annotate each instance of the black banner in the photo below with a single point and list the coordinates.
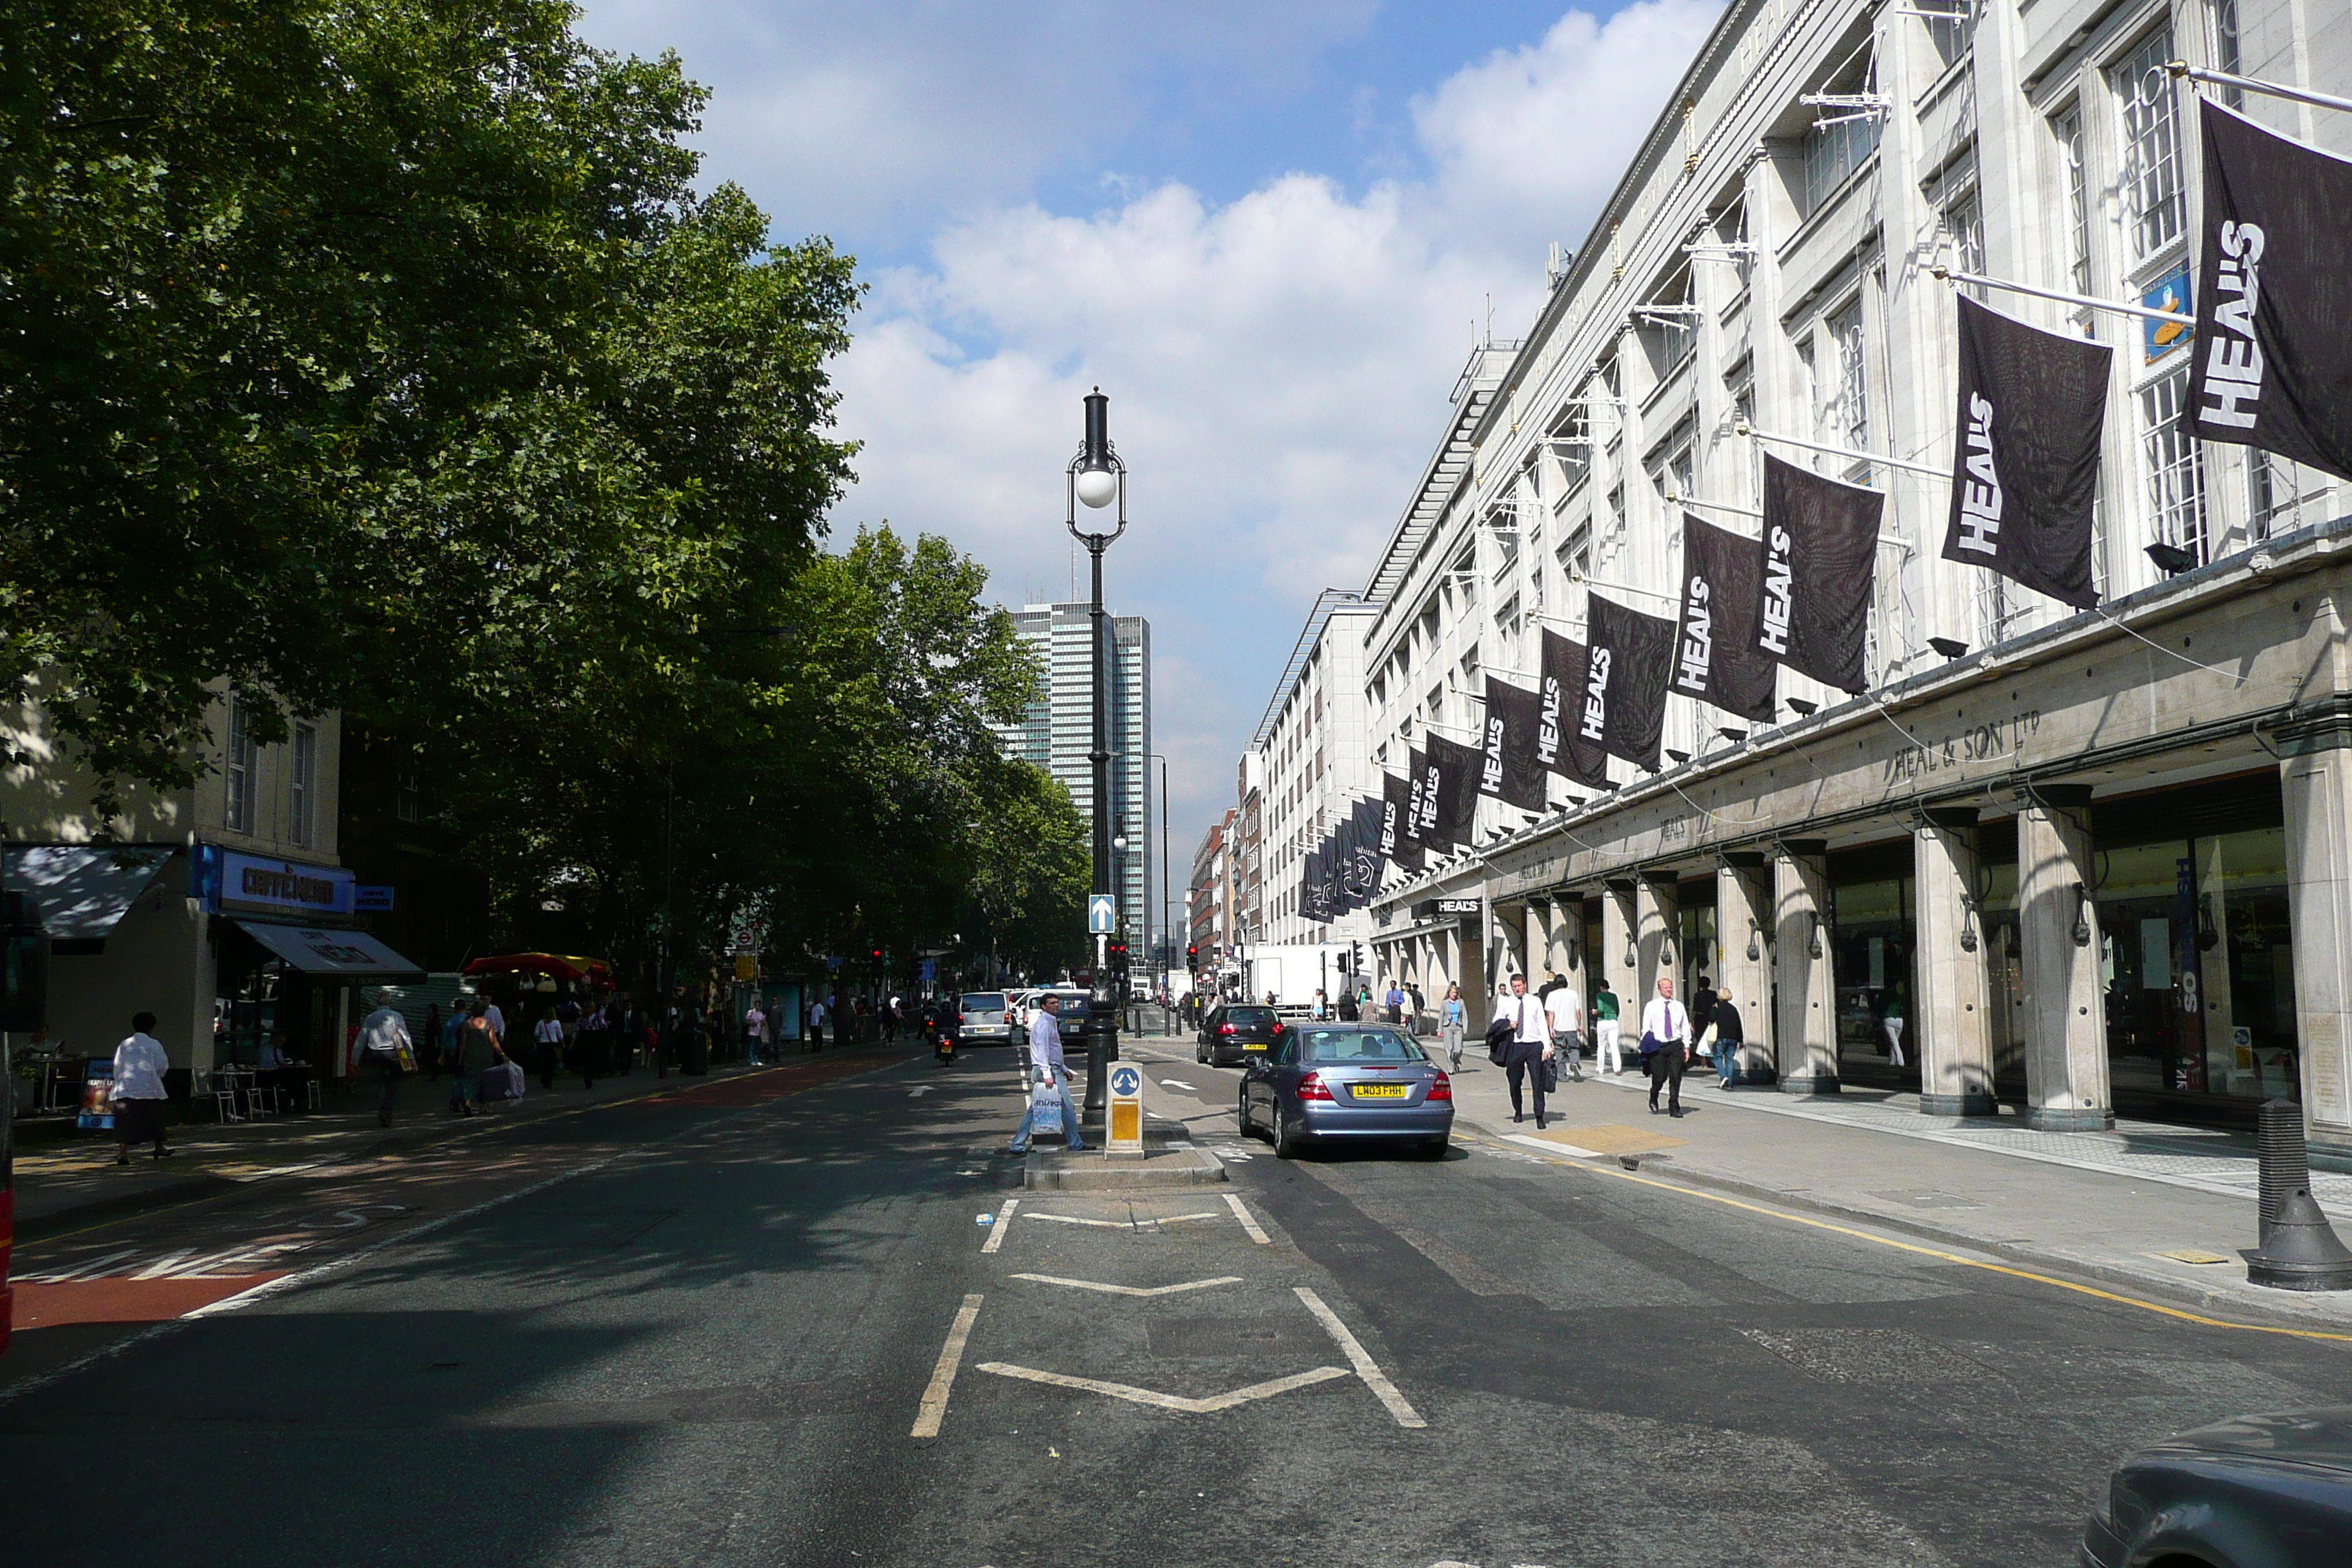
(1508, 770)
(2272, 366)
(1820, 551)
(1455, 767)
(1716, 659)
(1575, 758)
(1310, 887)
(1626, 669)
(1365, 860)
(1425, 776)
(1401, 849)
(2025, 467)
(1412, 830)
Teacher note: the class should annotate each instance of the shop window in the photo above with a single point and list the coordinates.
(1871, 961)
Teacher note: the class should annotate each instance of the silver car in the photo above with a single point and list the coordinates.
(985, 1019)
(1347, 1081)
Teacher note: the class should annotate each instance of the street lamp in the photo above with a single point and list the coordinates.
(1096, 478)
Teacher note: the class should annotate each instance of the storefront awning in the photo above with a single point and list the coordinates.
(334, 953)
(84, 889)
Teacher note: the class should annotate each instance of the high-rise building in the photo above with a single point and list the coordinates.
(1058, 734)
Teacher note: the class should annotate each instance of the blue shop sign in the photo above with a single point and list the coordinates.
(229, 882)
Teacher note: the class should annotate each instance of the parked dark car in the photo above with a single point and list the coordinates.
(1236, 1032)
(1347, 1081)
(2260, 1492)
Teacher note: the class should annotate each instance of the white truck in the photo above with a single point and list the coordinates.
(1295, 973)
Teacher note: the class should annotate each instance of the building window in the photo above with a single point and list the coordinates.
(2175, 468)
(1836, 144)
(2228, 53)
(1847, 415)
(1953, 31)
(2274, 493)
(303, 787)
(1963, 233)
(242, 766)
(2155, 209)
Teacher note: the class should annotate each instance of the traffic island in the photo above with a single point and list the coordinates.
(1164, 1162)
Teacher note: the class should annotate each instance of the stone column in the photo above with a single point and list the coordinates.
(2058, 945)
(1950, 1027)
(2315, 777)
(1567, 949)
(1658, 910)
(1743, 915)
(1805, 1032)
(1618, 925)
(1477, 997)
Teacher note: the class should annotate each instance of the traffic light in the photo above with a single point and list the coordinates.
(1191, 955)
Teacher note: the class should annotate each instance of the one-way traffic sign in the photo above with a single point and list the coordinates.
(1102, 915)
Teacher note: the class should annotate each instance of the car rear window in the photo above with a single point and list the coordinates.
(984, 1002)
(1249, 1015)
(1340, 1045)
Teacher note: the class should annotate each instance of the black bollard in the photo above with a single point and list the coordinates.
(2298, 1248)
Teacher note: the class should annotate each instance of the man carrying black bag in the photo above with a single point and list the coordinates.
(1531, 1045)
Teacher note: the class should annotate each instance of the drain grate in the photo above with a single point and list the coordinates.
(1877, 1357)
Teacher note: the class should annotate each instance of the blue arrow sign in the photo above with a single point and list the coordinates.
(1102, 915)
(1125, 1081)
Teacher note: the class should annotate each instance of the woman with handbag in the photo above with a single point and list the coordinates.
(479, 1051)
(1453, 1019)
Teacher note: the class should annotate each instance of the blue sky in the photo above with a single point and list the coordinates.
(1268, 231)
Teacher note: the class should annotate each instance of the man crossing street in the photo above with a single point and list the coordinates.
(1666, 1045)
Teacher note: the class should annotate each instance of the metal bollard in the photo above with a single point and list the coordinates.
(2298, 1249)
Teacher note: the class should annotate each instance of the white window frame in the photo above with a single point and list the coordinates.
(240, 773)
(302, 785)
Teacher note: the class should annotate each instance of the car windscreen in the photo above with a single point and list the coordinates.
(1340, 1047)
(1249, 1017)
(984, 1002)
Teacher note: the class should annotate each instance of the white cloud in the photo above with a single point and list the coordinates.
(1278, 365)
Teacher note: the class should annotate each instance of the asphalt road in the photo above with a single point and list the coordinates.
(707, 1329)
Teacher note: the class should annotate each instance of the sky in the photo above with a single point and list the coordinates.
(1270, 232)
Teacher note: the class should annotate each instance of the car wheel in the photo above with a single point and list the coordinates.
(1201, 1054)
(1241, 1112)
(1287, 1139)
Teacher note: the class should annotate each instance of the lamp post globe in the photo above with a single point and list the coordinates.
(1097, 487)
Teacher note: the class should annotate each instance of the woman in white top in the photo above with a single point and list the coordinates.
(140, 1065)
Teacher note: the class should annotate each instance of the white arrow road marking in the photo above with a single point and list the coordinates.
(78, 1272)
(934, 1408)
(1175, 1218)
(1169, 1401)
(1241, 1213)
(1073, 1219)
(1366, 1367)
(1178, 1083)
(1130, 1290)
(919, 1090)
(1003, 1221)
(167, 1264)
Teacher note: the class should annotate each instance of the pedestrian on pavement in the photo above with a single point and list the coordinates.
(1666, 1045)
(1454, 1020)
(1609, 1058)
(1891, 1022)
(384, 1048)
(1420, 1008)
(1729, 1034)
(1702, 1013)
(1349, 1012)
(1046, 1057)
(1396, 1000)
(816, 1025)
(549, 1035)
(447, 1043)
(1531, 1045)
(480, 1048)
(1321, 1010)
(140, 1064)
(432, 1051)
(755, 1030)
(1565, 1010)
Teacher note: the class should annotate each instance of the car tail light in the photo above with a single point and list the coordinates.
(1441, 1090)
(1224, 1028)
(1311, 1088)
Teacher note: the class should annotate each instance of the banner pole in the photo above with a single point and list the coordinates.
(2255, 84)
(2117, 305)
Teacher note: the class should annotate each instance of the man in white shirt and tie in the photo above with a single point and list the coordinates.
(1666, 1045)
(1530, 1044)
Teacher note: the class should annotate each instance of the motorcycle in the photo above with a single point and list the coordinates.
(944, 1046)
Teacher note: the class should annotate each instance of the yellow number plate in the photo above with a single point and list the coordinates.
(1380, 1092)
(1253, 1046)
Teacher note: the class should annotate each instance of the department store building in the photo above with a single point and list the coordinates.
(2091, 861)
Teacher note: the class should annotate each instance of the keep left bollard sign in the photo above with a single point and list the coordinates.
(1126, 1124)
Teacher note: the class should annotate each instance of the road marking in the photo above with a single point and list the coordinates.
(1938, 1253)
(1557, 1146)
(168, 1263)
(934, 1408)
(919, 1090)
(1366, 1367)
(1130, 1290)
(78, 1270)
(1176, 1218)
(1073, 1219)
(1249, 1223)
(1168, 1400)
(1178, 1083)
(1003, 1221)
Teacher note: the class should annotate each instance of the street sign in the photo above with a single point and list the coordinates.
(1102, 915)
(1124, 1122)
